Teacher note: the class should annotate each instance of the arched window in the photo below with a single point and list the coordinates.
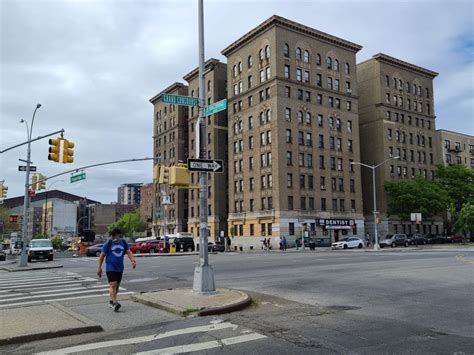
(427, 93)
(262, 118)
(308, 117)
(300, 116)
(240, 67)
(260, 54)
(400, 84)
(336, 65)
(249, 61)
(394, 83)
(234, 71)
(318, 59)
(419, 90)
(407, 86)
(286, 50)
(329, 62)
(414, 89)
(298, 53)
(387, 81)
(192, 93)
(269, 115)
(306, 57)
(347, 69)
(208, 85)
(267, 52)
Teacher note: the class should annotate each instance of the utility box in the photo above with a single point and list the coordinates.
(172, 248)
(180, 176)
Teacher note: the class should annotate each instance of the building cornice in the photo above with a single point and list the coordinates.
(404, 65)
(290, 25)
(173, 87)
(441, 131)
(209, 65)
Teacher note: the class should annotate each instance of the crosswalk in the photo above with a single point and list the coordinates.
(20, 289)
(217, 334)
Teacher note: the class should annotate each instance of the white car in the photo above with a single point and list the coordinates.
(351, 242)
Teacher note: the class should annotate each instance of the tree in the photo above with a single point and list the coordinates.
(458, 181)
(129, 223)
(465, 221)
(419, 195)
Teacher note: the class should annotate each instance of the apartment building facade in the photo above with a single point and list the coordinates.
(293, 133)
(147, 206)
(129, 194)
(454, 148)
(170, 145)
(396, 114)
(216, 146)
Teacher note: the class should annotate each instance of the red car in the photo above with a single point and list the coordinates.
(152, 246)
(455, 238)
(137, 248)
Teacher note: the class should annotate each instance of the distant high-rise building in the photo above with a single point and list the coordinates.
(396, 114)
(129, 194)
(454, 148)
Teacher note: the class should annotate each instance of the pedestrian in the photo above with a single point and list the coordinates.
(229, 242)
(264, 246)
(367, 239)
(113, 252)
(269, 245)
(285, 243)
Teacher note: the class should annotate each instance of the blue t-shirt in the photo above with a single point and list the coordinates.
(114, 258)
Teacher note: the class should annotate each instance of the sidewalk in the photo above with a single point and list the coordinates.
(30, 323)
(12, 266)
(186, 302)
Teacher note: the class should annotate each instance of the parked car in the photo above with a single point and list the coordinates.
(183, 243)
(3, 256)
(394, 240)
(417, 239)
(215, 247)
(437, 238)
(351, 242)
(152, 246)
(137, 248)
(455, 238)
(40, 249)
(94, 250)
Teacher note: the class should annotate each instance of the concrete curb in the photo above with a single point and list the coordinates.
(29, 268)
(243, 302)
(89, 327)
(147, 255)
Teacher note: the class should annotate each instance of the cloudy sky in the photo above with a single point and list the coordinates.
(93, 65)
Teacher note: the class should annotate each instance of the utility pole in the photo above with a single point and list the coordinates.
(203, 273)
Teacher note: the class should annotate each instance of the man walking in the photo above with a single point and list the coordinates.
(113, 252)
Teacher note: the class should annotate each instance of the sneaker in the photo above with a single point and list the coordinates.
(116, 307)
(111, 304)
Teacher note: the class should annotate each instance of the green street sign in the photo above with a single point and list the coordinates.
(180, 100)
(215, 107)
(78, 177)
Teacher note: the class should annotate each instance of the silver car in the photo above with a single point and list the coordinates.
(394, 240)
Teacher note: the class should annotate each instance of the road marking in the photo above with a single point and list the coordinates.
(52, 295)
(137, 340)
(42, 284)
(204, 346)
(39, 277)
(61, 299)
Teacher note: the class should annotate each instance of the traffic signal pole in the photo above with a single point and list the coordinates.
(203, 273)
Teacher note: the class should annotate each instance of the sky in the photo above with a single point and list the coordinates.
(93, 65)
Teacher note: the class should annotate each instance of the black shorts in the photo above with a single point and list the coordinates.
(114, 276)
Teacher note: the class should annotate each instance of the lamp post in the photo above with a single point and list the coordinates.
(373, 167)
(26, 200)
(46, 205)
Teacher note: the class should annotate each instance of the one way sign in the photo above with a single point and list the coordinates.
(211, 166)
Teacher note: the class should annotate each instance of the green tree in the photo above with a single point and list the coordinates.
(419, 195)
(57, 243)
(458, 181)
(465, 221)
(129, 223)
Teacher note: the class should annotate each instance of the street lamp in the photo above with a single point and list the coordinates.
(26, 199)
(373, 167)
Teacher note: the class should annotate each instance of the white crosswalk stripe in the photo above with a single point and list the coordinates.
(19, 289)
(238, 336)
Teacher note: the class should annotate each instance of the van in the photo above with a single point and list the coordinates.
(40, 249)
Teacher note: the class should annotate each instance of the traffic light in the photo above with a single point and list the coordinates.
(164, 175)
(41, 182)
(3, 191)
(179, 175)
(54, 149)
(156, 173)
(68, 153)
(34, 180)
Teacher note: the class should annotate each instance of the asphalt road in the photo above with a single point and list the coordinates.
(324, 301)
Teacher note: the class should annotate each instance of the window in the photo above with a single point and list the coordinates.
(260, 55)
(306, 76)
(303, 203)
(319, 80)
(240, 67)
(298, 74)
(333, 163)
(249, 81)
(252, 206)
(321, 141)
(308, 96)
(306, 57)
(347, 69)
(308, 117)
(288, 114)
(322, 183)
(336, 65)
(387, 98)
(267, 52)
(250, 100)
(267, 73)
(334, 204)
(287, 71)
(318, 59)
(309, 160)
(310, 182)
(339, 164)
(250, 163)
(339, 144)
(333, 184)
(320, 120)
(338, 123)
(298, 53)
(252, 184)
(321, 161)
(250, 122)
(249, 61)
(311, 203)
(287, 91)
(352, 185)
(289, 159)
(300, 138)
(341, 205)
(331, 101)
(348, 105)
(323, 204)
(302, 181)
(336, 84)
(290, 204)
(301, 159)
(251, 142)
(329, 62)
(329, 83)
(288, 136)
(286, 50)
(331, 143)
(289, 180)
(300, 94)
(319, 99)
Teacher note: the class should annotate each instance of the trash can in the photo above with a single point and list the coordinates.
(172, 248)
(312, 245)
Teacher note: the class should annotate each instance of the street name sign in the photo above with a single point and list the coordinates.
(180, 100)
(211, 166)
(78, 177)
(23, 168)
(215, 107)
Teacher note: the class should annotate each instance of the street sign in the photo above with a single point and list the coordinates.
(212, 166)
(215, 107)
(180, 100)
(23, 168)
(78, 177)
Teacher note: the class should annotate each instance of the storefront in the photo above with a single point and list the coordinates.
(337, 228)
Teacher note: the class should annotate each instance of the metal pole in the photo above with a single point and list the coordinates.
(376, 244)
(203, 273)
(26, 200)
